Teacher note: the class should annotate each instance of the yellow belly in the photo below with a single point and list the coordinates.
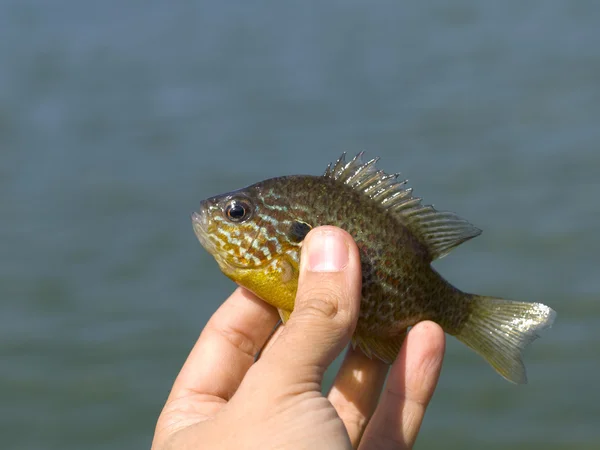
(276, 283)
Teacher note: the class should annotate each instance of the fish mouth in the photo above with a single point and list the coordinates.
(201, 224)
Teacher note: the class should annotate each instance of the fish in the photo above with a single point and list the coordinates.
(255, 235)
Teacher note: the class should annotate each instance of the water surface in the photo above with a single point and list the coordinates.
(117, 118)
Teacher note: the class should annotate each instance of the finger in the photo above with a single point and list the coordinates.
(326, 307)
(226, 348)
(355, 391)
(272, 339)
(408, 390)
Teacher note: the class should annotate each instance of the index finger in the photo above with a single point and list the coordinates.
(226, 348)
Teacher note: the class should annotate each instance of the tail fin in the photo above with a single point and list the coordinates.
(500, 329)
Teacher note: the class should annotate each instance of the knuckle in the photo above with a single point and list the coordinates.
(236, 338)
(319, 307)
(327, 301)
(320, 302)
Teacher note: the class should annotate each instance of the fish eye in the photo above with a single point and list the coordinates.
(238, 210)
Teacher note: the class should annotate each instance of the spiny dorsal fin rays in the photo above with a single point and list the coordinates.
(439, 231)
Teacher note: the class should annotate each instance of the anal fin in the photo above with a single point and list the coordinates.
(385, 349)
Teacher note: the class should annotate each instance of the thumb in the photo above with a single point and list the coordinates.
(326, 308)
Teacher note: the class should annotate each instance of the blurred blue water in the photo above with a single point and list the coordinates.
(117, 118)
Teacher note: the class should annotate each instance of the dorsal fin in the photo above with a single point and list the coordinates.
(439, 231)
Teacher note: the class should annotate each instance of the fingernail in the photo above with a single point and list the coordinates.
(327, 252)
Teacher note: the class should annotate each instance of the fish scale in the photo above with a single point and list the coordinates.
(397, 238)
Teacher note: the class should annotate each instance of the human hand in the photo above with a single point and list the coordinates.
(223, 400)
